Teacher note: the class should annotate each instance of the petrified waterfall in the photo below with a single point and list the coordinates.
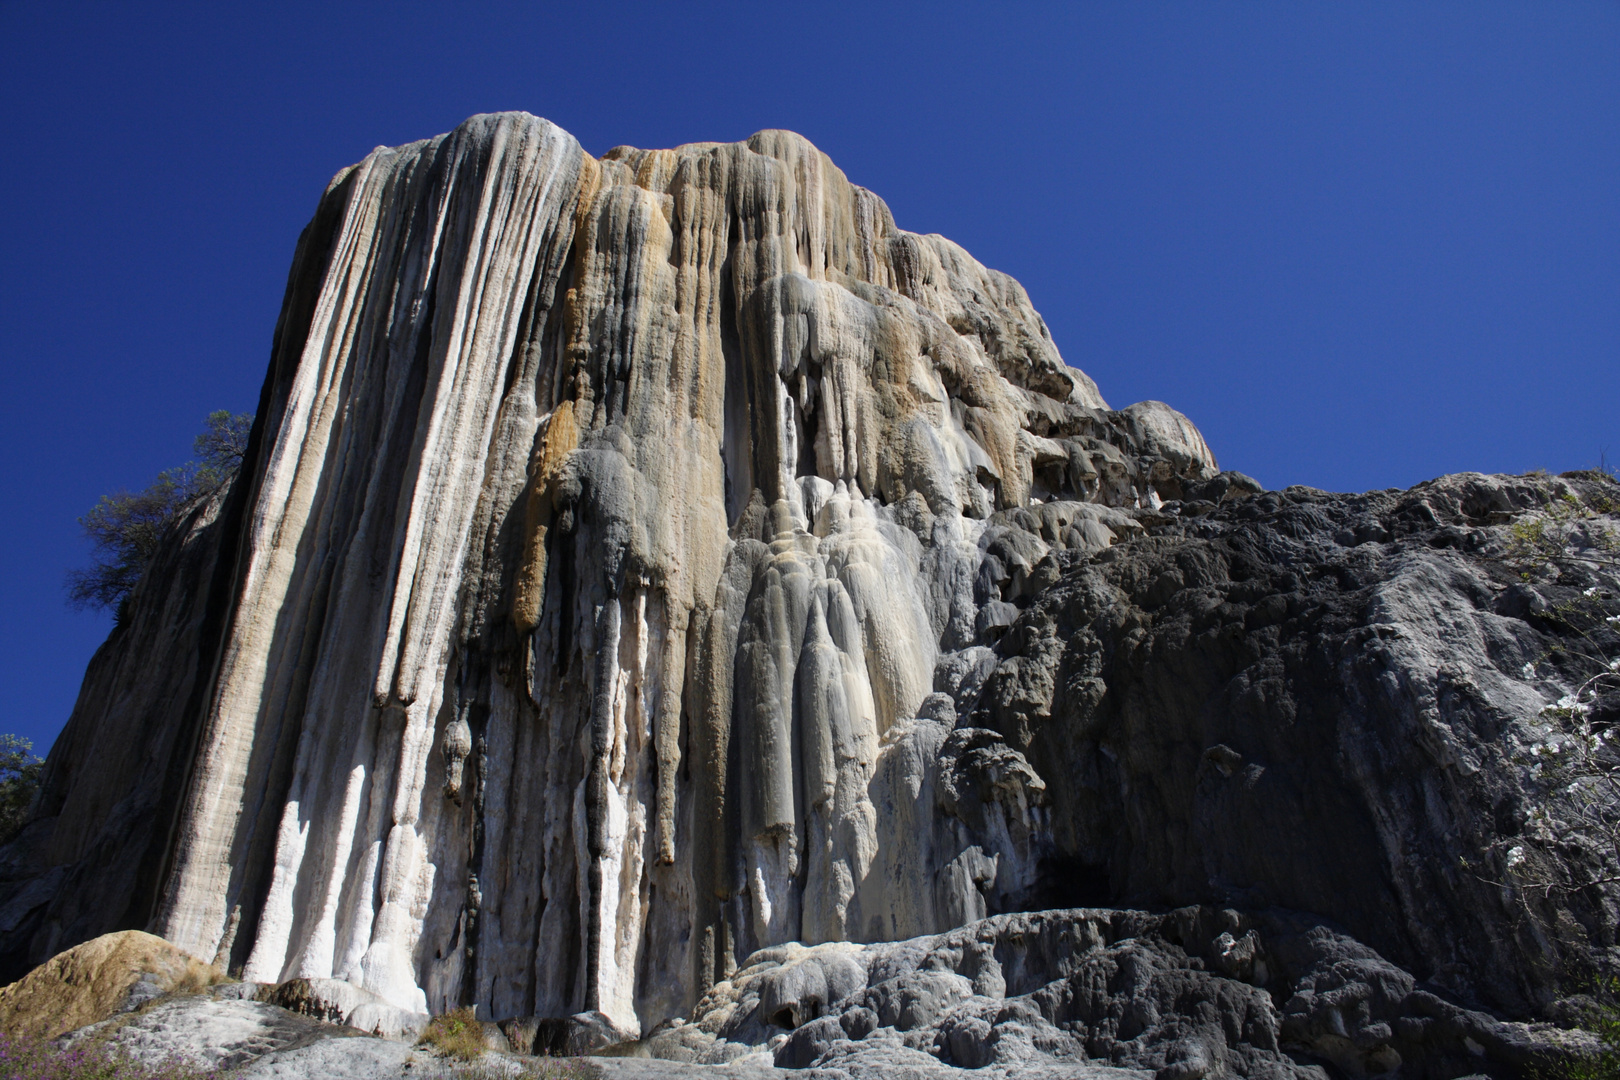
(658, 587)
(615, 542)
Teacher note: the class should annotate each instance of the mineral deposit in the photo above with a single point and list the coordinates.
(648, 563)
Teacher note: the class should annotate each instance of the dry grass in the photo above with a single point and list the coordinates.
(457, 1034)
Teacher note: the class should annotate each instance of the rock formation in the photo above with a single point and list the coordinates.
(112, 974)
(643, 562)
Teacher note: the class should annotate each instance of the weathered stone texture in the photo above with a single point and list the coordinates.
(643, 562)
(1329, 703)
(111, 974)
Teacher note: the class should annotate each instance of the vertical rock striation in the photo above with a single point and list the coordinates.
(641, 562)
(605, 525)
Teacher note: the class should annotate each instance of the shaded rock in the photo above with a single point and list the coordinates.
(569, 1036)
(994, 618)
(520, 1034)
(1173, 995)
(1240, 709)
(809, 1042)
(331, 1000)
(801, 987)
(961, 674)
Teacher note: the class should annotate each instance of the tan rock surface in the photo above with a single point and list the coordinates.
(93, 981)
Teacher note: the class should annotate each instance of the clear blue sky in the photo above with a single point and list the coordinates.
(1360, 244)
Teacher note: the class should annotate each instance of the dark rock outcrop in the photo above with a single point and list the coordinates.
(1329, 703)
(1191, 993)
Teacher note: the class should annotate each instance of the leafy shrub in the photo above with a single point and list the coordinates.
(1563, 534)
(124, 528)
(458, 1034)
(1573, 768)
(19, 780)
(26, 1058)
(1602, 1018)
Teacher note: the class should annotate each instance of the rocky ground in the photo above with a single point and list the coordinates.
(1098, 993)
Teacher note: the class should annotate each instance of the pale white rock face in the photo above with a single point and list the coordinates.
(609, 528)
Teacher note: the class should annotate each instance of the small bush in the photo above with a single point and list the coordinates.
(458, 1034)
(19, 780)
(1601, 1018)
(125, 528)
(1563, 535)
(26, 1058)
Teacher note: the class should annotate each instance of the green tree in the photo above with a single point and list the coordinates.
(19, 779)
(124, 528)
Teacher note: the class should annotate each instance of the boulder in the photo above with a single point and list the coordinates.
(111, 974)
(583, 1033)
(331, 1000)
(336, 1001)
(387, 1021)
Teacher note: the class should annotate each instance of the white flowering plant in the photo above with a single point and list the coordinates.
(1574, 764)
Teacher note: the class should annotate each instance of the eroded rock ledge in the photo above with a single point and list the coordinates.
(1180, 996)
(644, 562)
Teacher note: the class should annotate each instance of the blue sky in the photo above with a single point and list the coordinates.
(1360, 244)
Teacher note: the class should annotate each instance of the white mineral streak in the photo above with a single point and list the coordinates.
(613, 527)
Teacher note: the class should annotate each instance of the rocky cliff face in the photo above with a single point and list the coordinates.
(646, 561)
